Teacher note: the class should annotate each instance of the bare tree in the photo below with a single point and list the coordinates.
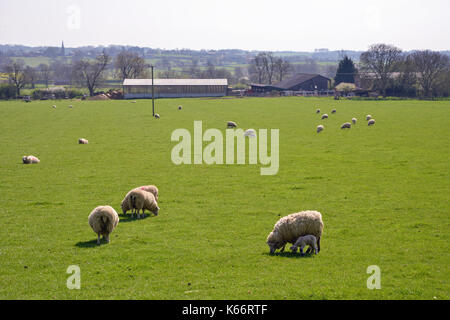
(269, 65)
(257, 67)
(430, 65)
(44, 73)
(129, 65)
(31, 76)
(381, 59)
(90, 73)
(16, 74)
(282, 67)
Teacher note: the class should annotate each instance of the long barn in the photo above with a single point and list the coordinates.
(174, 88)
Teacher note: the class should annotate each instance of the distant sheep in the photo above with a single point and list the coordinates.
(103, 220)
(30, 159)
(132, 101)
(320, 128)
(231, 124)
(293, 226)
(302, 242)
(157, 116)
(71, 106)
(318, 111)
(354, 120)
(142, 200)
(180, 107)
(324, 116)
(333, 111)
(371, 122)
(346, 125)
(54, 107)
(250, 133)
(83, 141)
(368, 117)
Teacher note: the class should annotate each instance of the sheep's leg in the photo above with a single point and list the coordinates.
(301, 249)
(309, 250)
(282, 249)
(318, 245)
(143, 212)
(138, 213)
(107, 238)
(98, 238)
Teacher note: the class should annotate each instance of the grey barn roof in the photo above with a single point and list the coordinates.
(295, 80)
(176, 82)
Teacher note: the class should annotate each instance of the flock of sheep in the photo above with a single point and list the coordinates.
(346, 125)
(301, 229)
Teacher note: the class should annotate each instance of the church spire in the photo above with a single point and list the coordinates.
(63, 50)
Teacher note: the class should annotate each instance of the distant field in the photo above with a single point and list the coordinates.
(383, 192)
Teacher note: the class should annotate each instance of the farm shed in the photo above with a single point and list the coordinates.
(174, 88)
(299, 82)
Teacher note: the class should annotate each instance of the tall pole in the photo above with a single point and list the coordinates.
(153, 95)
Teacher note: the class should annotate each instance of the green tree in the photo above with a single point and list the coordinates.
(346, 71)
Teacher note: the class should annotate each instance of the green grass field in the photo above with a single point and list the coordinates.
(383, 192)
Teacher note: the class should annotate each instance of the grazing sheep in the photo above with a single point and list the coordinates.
(320, 128)
(83, 141)
(324, 116)
(308, 240)
(371, 122)
(103, 220)
(318, 111)
(132, 101)
(71, 106)
(346, 125)
(54, 107)
(231, 124)
(293, 226)
(179, 107)
(142, 200)
(126, 205)
(30, 159)
(368, 117)
(333, 111)
(250, 133)
(157, 116)
(354, 120)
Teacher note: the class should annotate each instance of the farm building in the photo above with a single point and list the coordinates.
(299, 82)
(174, 88)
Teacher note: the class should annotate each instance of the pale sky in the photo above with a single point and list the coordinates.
(275, 25)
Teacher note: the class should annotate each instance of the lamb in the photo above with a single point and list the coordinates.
(371, 122)
(126, 204)
(320, 128)
(293, 226)
(324, 116)
(250, 133)
(333, 111)
(368, 117)
(309, 240)
(83, 141)
(30, 159)
(142, 200)
(354, 120)
(157, 116)
(346, 125)
(103, 220)
(231, 124)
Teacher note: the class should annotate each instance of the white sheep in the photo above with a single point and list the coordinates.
(346, 125)
(157, 116)
(103, 220)
(320, 128)
(324, 116)
(54, 107)
(302, 242)
(231, 124)
(371, 122)
(250, 133)
(30, 159)
(142, 200)
(368, 117)
(132, 101)
(293, 226)
(126, 205)
(83, 141)
(354, 120)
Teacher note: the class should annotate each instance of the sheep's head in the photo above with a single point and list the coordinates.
(274, 242)
(155, 210)
(24, 159)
